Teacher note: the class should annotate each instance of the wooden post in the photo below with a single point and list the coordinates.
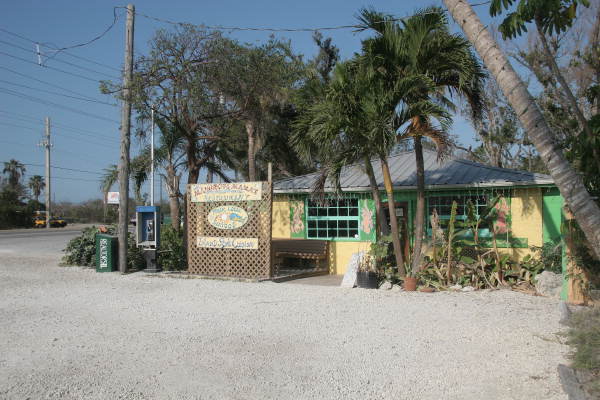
(47, 145)
(125, 142)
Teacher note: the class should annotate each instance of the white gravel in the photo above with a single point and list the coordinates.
(70, 333)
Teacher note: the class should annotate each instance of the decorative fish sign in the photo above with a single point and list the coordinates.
(227, 217)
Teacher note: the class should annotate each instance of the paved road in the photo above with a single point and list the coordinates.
(37, 241)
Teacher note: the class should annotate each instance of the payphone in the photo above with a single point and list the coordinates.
(148, 234)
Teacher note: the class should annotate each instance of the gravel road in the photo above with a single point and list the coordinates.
(70, 333)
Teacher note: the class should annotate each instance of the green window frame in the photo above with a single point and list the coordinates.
(442, 202)
(334, 219)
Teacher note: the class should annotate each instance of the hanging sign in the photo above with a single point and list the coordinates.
(240, 191)
(227, 243)
(227, 217)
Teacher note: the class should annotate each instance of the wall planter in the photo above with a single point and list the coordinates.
(367, 280)
(410, 284)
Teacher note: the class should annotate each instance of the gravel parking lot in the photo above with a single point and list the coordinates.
(70, 333)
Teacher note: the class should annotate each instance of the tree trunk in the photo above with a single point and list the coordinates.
(420, 212)
(568, 181)
(251, 162)
(382, 226)
(387, 180)
(174, 207)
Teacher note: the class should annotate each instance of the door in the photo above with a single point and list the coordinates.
(402, 217)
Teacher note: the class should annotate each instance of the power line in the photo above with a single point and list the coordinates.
(63, 168)
(63, 49)
(59, 61)
(66, 178)
(61, 134)
(49, 67)
(59, 94)
(52, 104)
(44, 82)
(239, 28)
(85, 132)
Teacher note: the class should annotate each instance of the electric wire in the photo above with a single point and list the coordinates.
(63, 49)
(45, 83)
(50, 67)
(59, 124)
(59, 61)
(62, 168)
(52, 104)
(62, 134)
(59, 94)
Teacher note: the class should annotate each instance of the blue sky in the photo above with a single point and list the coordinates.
(85, 134)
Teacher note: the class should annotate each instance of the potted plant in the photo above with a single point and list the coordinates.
(410, 279)
(367, 276)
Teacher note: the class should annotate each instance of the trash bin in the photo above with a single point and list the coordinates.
(106, 253)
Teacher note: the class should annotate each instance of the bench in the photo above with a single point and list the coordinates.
(301, 249)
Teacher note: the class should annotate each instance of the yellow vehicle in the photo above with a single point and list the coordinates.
(39, 222)
(57, 222)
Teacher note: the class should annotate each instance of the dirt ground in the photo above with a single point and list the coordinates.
(72, 333)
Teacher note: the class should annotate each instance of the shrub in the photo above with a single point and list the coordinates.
(82, 249)
(584, 336)
(171, 256)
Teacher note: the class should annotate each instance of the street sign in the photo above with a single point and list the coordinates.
(112, 198)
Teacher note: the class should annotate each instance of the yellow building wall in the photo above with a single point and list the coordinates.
(341, 252)
(281, 218)
(526, 215)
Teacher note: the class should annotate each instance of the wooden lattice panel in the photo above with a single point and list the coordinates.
(239, 263)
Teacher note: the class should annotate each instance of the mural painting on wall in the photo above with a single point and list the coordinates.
(501, 223)
(366, 218)
(297, 217)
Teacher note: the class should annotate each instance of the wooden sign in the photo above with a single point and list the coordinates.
(227, 217)
(350, 276)
(212, 192)
(226, 243)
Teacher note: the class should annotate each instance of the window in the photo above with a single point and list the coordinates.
(443, 205)
(333, 219)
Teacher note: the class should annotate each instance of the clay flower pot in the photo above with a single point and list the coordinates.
(410, 284)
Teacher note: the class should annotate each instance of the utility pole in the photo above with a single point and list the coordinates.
(152, 158)
(125, 141)
(46, 143)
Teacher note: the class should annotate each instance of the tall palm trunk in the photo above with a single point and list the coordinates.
(387, 181)
(565, 177)
(172, 186)
(420, 212)
(382, 226)
(250, 131)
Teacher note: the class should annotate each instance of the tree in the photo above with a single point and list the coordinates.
(252, 80)
(422, 53)
(15, 170)
(36, 184)
(339, 130)
(570, 184)
(174, 80)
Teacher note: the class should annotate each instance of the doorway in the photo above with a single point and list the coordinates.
(402, 218)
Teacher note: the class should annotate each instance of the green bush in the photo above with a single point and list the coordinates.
(584, 337)
(82, 249)
(171, 256)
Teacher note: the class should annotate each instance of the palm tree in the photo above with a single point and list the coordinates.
(421, 51)
(37, 184)
(570, 184)
(15, 170)
(334, 132)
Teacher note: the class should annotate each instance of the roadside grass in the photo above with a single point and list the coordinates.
(584, 337)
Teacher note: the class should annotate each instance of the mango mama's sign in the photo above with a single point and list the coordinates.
(212, 192)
